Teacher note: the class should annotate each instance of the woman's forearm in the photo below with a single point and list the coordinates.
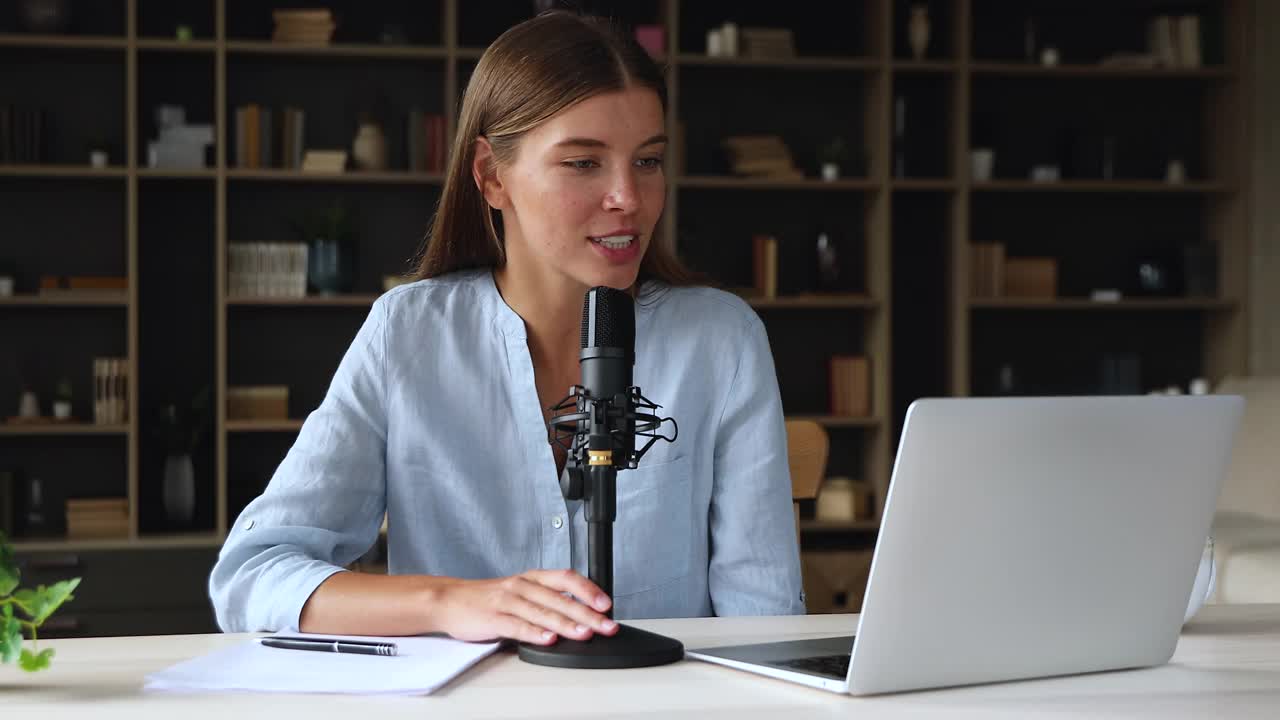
(354, 603)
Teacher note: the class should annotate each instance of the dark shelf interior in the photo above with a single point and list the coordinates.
(1083, 31)
(333, 108)
(176, 344)
(717, 227)
(91, 18)
(61, 83)
(798, 106)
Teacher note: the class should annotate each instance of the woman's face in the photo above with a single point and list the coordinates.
(586, 189)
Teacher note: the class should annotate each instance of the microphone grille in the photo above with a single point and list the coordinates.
(608, 319)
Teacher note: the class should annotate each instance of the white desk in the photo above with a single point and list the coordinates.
(1227, 665)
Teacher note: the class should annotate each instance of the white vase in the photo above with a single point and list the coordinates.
(62, 409)
(369, 149)
(179, 491)
(918, 31)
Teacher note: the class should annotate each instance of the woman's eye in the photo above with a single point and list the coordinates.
(650, 163)
(581, 164)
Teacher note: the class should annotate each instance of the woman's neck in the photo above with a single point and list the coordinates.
(551, 308)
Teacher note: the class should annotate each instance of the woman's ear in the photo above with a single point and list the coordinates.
(484, 170)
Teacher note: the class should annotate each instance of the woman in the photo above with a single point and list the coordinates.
(437, 413)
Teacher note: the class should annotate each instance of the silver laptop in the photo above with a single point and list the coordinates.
(1025, 538)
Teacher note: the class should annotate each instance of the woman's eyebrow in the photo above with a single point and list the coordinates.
(594, 143)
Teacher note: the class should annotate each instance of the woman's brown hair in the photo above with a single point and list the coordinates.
(531, 72)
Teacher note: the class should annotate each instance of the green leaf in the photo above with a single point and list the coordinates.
(32, 662)
(9, 574)
(10, 638)
(42, 601)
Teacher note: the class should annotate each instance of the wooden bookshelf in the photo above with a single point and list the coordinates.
(924, 184)
(164, 215)
(158, 541)
(1096, 72)
(1102, 186)
(53, 429)
(835, 526)
(804, 184)
(341, 50)
(795, 63)
(840, 421)
(170, 45)
(349, 177)
(62, 42)
(345, 300)
(924, 67)
(85, 300)
(814, 302)
(1096, 227)
(263, 426)
(62, 171)
(1123, 305)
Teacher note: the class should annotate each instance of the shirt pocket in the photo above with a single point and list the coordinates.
(651, 536)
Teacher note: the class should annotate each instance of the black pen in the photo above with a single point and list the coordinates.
(354, 647)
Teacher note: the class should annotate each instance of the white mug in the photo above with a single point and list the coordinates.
(98, 158)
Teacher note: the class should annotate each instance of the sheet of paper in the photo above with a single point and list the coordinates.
(421, 665)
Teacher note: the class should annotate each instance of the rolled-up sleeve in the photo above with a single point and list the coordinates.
(755, 560)
(324, 504)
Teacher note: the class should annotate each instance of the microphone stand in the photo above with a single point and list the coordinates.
(629, 647)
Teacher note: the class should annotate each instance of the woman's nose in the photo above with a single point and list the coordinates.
(623, 194)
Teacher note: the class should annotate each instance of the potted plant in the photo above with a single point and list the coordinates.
(330, 235)
(62, 399)
(180, 428)
(24, 609)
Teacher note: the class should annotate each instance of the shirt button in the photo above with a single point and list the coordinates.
(557, 522)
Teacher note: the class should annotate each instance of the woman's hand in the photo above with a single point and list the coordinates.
(530, 607)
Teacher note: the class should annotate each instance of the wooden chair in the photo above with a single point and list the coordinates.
(807, 448)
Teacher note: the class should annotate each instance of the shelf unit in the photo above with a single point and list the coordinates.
(911, 313)
(1099, 229)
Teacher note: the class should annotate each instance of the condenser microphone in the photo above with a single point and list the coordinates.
(607, 358)
(604, 416)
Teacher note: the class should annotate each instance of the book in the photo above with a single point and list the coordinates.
(850, 385)
(765, 265)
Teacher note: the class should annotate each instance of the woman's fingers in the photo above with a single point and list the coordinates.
(574, 584)
(581, 615)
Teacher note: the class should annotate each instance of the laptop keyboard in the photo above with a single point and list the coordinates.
(835, 666)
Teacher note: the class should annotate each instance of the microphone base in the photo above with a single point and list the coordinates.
(630, 647)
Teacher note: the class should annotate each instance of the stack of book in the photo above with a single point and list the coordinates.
(110, 390)
(850, 386)
(426, 141)
(261, 269)
(304, 26)
(23, 135)
(97, 518)
(269, 137)
(760, 156)
(758, 42)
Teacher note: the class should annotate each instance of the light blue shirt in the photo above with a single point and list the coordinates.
(433, 417)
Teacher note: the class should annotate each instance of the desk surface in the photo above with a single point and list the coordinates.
(1227, 665)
